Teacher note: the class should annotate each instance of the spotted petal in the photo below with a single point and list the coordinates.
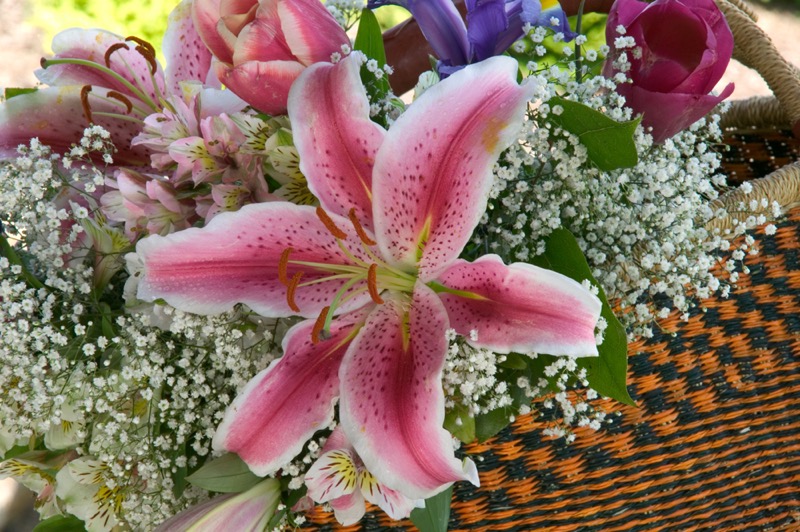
(92, 45)
(284, 405)
(520, 308)
(206, 17)
(392, 408)
(434, 170)
(188, 59)
(335, 137)
(235, 259)
(55, 116)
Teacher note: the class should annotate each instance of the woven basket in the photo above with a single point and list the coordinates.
(714, 443)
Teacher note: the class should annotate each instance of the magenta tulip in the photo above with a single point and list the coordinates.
(262, 46)
(686, 46)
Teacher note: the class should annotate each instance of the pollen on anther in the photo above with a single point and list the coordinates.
(372, 284)
(329, 225)
(359, 228)
(291, 289)
(319, 324)
(113, 48)
(87, 110)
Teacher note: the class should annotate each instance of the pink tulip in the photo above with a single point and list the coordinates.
(686, 46)
(262, 46)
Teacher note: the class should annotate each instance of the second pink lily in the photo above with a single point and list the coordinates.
(376, 270)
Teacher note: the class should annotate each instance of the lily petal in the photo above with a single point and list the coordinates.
(284, 405)
(335, 137)
(235, 259)
(310, 30)
(92, 45)
(520, 308)
(265, 86)
(55, 116)
(434, 170)
(188, 59)
(392, 408)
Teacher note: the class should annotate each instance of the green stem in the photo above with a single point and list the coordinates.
(578, 24)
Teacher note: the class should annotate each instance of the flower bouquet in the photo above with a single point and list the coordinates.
(256, 279)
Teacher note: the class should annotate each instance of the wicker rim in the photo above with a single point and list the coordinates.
(755, 49)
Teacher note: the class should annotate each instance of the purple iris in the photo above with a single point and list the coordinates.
(492, 26)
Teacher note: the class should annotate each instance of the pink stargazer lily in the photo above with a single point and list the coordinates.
(378, 262)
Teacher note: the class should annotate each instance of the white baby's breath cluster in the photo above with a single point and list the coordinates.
(346, 12)
(136, 403)
(642, 229)
(470, 379)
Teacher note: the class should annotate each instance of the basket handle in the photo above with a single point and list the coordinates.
(754, 48)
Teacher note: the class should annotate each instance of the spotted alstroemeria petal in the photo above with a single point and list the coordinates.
(335, 137)
(188, 59)
(55, 115)
(236, 258)
(310, 31)
(520, 308)
(392, 408)
(396, 505)
(333, 475)
(284, 405)
(434, 170)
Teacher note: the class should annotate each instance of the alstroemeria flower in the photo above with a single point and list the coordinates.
(340, 478)
(249, 511)
(492, 26)
(376, 268)
(96, 76)
(262, 46)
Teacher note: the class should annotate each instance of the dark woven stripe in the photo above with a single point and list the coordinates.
(714, 444)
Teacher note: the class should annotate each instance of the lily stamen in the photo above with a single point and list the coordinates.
(359, 228)
(329, 225)
(113, 48)
(283, 265)
(372, 284)
(147, 51)
(87, 110)
(291, 289)
(121, 97)
(318, 326)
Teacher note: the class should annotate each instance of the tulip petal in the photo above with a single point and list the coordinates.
(265, 86)
(55, 116)
(670, 113)
(310, 30)
(284, 405)
(188, 58)
(262, 39)
(235, 259)
(206, 17)
(520, 308)
(92, 45)
(392, 404)
(434, 170)
(335, 137)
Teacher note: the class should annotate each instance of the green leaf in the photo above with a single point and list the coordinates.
(11, 92)
(436, 514)
(369, 38)
(514, 361)
(460, 424)
(609, 143)
(60, 523)
(226, 474)
(8, 251)
(489, 424)
(607, 373)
